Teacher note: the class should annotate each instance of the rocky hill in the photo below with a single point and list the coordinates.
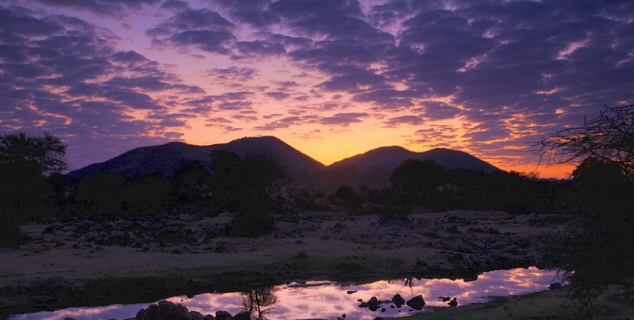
(388, 158)
(165, 158)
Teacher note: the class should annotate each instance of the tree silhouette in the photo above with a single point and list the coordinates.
(599, 253)
(100, 194)
(608, 137)
(24, 192)
(419, 180)
(240, 185)
(45, 154)
(258, 302)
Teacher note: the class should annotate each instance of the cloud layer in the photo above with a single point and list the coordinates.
(483, 76)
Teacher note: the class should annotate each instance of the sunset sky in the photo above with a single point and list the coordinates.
(330, 78)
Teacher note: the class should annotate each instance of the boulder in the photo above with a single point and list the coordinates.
(165, 310)
(223, 315)
(244, 315)
(372, 304)
(52, 227)
(398, 300)
(555, 286)
(416, 302)
(193, 315)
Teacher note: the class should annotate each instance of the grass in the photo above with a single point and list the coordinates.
(544, 305)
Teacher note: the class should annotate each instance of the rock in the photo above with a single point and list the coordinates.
(221, 248)
(453, 229)
(223, 315)
(193, 315)
(308, 226)
(416, 302)
(244, 315)
(372, 304)
(122, 240)
(90, 236)
(555, 286)
(50, 229)
(164, 310)
(398, 300)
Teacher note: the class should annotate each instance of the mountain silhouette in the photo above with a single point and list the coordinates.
(165, 158)
(388, 158)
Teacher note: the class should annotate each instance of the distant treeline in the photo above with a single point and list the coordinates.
(240, 185)
(236, 185)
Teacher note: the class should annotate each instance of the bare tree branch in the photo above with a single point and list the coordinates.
(608, 137)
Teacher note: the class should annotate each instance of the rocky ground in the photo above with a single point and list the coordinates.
(69, 262)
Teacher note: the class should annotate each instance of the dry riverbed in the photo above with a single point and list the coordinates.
(85, 262)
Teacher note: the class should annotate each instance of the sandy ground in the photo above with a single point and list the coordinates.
(51, 255)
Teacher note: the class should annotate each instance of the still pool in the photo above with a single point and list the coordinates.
(330, 300)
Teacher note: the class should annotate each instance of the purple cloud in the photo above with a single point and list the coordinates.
(413, 120)
(233, 73)
(277, 95)
(343, 119)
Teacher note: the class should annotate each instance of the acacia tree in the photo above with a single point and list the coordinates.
(44, 154)
(23, 190)
(606, 138)
(599, 253)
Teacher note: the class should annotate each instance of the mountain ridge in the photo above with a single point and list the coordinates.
(388, 158)
(166, 157)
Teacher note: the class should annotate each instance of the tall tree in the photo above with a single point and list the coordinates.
(44, 154)
(599, 252)
(608, 137)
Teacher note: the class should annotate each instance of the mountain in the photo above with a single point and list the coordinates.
(165, 158)
(388, 158)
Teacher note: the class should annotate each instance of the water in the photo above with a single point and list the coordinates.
(329, 300)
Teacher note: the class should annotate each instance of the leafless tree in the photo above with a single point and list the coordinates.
(606, 138)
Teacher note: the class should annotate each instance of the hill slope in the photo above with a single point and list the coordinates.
(165, 158)
(388, 158)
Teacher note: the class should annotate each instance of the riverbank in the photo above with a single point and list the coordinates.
(548, 304)
(89, 263)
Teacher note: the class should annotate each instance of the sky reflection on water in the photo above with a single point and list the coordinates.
(329, 300)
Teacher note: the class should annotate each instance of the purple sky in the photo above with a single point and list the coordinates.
(331, 78)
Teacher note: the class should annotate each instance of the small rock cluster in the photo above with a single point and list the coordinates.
(374, 304)
(166, 310)
(137, 232)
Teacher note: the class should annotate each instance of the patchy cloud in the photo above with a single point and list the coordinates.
(412, 120)
(277, 95)
(343, 119)
(437, 110)
(233, 73)
(64, 75)
(101, 7)
(503, 70)
(204, 29)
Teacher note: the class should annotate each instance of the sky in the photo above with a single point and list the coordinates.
(332, 78)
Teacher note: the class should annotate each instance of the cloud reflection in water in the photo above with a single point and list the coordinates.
(323, 299)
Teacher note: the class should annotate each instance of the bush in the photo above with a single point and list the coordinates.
(395, 213)
(346, 196)
(101, 193)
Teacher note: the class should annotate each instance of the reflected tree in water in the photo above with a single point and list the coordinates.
(258, 302)
(409, 281)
